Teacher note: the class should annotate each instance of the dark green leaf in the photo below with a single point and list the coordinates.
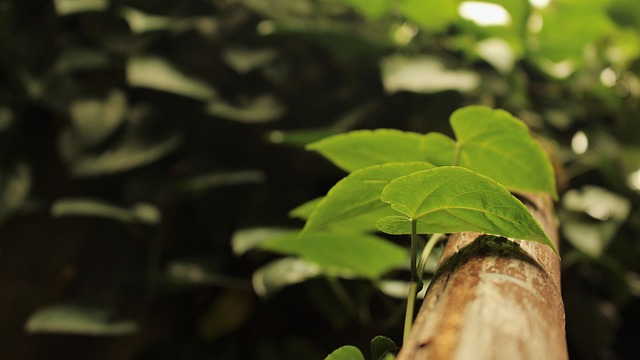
(382, 345)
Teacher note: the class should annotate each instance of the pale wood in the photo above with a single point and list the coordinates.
(493, 298)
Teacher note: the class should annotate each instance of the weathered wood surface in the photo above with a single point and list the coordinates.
(493, 298)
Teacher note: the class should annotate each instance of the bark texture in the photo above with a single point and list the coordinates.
(493, 298)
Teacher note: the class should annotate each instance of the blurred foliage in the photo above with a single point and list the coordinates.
(139, 137)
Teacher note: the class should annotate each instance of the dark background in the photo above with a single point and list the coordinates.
(119, 196)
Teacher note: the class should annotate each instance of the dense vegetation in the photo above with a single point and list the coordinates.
(148, 146)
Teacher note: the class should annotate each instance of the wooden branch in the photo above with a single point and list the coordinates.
(493, 298)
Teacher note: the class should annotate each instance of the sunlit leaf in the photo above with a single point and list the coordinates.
(355, 254)
(140, 22)
(358, 193)
(569, 27)
(261, 109)
(495, 144)
(244, 60)
(75, 319)
(95, 119)
(156, 73)
(247, 239)
(363, 148)
(66, 7)
(425, 74)
(128, 155)
(346, 352)
(433, 15)
(141, 212)
(453, 199)
(15, 185)
(591, 218)
(278, 274)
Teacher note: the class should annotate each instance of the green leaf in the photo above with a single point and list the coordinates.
(353, 254)
(359, 149)
(66, 7)
(75, 319)
(495, 144)
(381, 346)
(156, 73)
(438, 148)
(347, 352)
(15, 186)
(264, 108)
(425, 74)
(141, 212)
(244, 240)
(96, 119)
(278, 274)
(434, 15)
(358, 193)
(454, 199)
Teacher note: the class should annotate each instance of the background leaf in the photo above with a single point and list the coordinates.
(269, 279)
(360, 149)
(359, 255)
(358, 193)
(76, 319)
(455, 199)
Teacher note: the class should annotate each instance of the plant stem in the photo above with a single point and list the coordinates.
(433, 241)
(417, 269)
(456, 155)
(416, 281)
(408, 315)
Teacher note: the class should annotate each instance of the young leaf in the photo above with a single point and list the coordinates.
(495, 144)
(346, 352)
(358, 193)
(359, 149)
(359, 255)
(454, 199)
(381, 346)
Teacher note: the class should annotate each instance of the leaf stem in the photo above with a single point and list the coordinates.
(416, 281)
(417, 270)
(411, 303)
(456, 155)
(433, 241)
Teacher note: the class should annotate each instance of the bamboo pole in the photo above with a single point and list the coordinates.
(493, 298)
